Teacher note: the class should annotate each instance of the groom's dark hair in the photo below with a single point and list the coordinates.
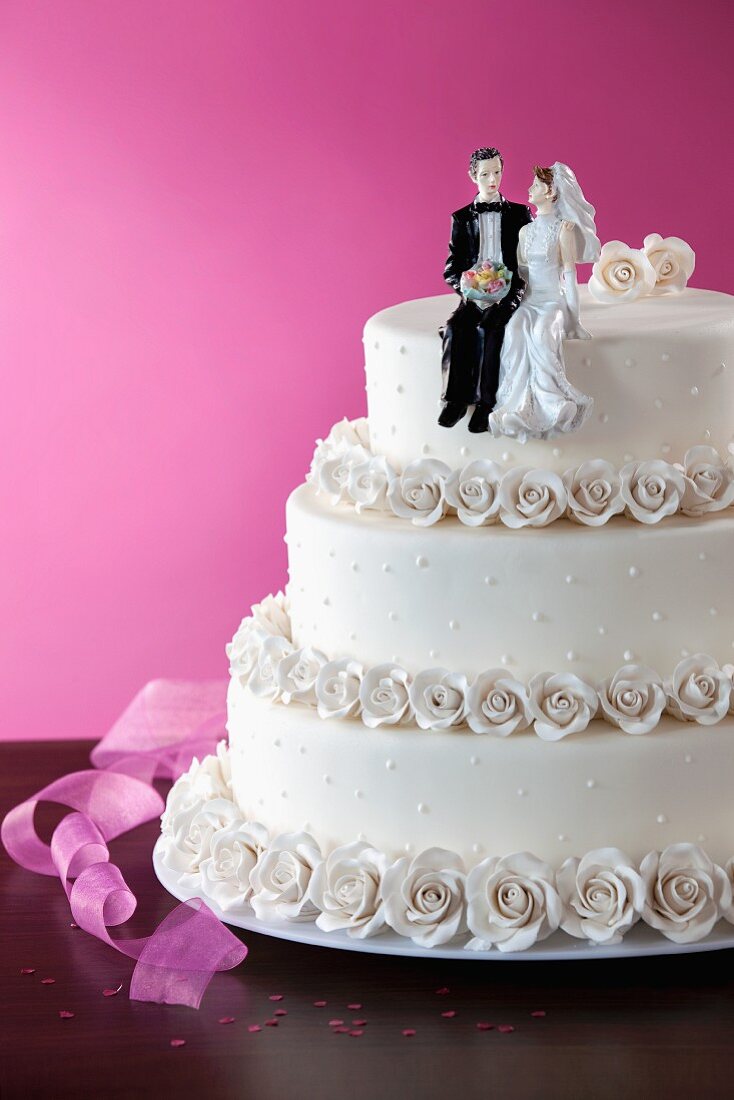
(487, 153)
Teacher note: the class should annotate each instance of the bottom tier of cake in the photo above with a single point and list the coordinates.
(406, 790)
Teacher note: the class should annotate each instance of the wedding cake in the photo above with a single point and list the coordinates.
(495, 698)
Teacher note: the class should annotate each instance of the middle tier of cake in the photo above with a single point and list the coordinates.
(561, 598)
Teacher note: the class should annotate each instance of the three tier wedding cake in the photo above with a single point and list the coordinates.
(495, 699)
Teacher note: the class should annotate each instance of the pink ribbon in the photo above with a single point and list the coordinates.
(166, 725)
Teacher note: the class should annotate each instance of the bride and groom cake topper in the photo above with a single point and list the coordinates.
(503, 345)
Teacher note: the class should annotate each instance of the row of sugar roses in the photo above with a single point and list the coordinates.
(483, 493)
(554, 704)
(510, 902)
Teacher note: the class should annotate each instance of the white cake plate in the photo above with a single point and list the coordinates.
(638, 942)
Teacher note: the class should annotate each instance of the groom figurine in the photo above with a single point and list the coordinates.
(487, 229)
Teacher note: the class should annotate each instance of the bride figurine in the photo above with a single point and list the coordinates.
(535, 400)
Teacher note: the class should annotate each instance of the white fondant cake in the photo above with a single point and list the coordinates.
(433, 701)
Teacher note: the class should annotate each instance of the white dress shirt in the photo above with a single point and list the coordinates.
(490, 245)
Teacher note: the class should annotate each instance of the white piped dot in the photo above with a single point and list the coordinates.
(701, 838)
(476, 848)
(557, 452)
(392, 616)
(277, 742)
(490, 580)
(474, 760)
(361, 837)
(358, 793)
(633, 571)
(628, 655)
(284, 794)
(302, 750)
(629, 362)
(326, 779)
(393, 429)
(570, 579)
(505, 659)
(601, 630)
(400, 388)
(377, 345)
(702, 556)
(385, 567)
(695, 391)
(628, 457)
(713, 611)
(684, 653)
(658, 402)
(521, 792)
(421, 562)
(537, 616)
(562, 837)
(408, 847)
(572, 655)
(591, 783)
(506, 456)
(586, 362)
(665, 357)
(354, 567)
(464, 451)
(422, 808)
(661, 819)
(688, 759)
(306, 826)
(657, 616)
(453, 624)
(332, 552)
(666, 449)
(433, 654)
(326, 601)
(390, 765)
(604, 418)
(402, 349)
(425, 449)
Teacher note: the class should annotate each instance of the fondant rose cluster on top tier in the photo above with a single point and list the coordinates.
(555, 705)
(482, 493)
(622, 274)
(509, 902)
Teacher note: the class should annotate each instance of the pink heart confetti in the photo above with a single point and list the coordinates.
(354, 1007)
(316, 1004)
(505, 1028)
(275, 997)
(271, 1023)
(356, 1033)
(72, 925)
(408, 1032)
(178, 1042)
(482, 1025)
(65, 1015)
(335, 1023)
(443, 991)
(359, 1023)
(226, 1020)
(340, 1030)
(253, 1027)
(48, 981)
(28, 970)
(111, 992)
(540, 1012)
(281, 1012)
(449, 1015)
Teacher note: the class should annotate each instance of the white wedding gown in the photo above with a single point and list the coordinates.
(535, 400)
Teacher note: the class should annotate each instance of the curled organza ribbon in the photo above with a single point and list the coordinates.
(167, 724)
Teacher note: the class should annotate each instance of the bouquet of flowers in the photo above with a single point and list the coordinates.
(486, 283)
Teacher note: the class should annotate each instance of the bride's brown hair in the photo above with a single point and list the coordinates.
(545, 175)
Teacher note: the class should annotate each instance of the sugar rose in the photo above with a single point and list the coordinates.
(672, 259)
(621, 274)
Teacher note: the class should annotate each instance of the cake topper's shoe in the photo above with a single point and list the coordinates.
(451, 414)
(479, 419)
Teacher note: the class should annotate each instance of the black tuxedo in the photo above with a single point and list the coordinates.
(472, 338)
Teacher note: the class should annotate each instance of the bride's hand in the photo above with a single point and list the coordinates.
(568, 226)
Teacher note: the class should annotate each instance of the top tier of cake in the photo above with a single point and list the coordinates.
(659, 370)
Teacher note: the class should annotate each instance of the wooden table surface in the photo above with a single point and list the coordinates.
(648, 1028)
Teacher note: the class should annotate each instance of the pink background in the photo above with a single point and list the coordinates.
(185, 190)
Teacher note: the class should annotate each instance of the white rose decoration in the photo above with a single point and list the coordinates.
(531, 498)
(728, 670)
(438, 698)
(349, 433)
(621, 274)
(560, 704)
(347, 890)
(474, 492)
(384, 696)
(424, 898)
(297, 673)
(192, 829)
(333, 474)
(603, 895)
(633, 699)
(233, 853)
(272, 615)
(511, 902)
(368, 481)
(419, 494)
(709, 482)
(264, 679)
(281, 878)
(672, 259)
(210, 779)
(594, 493)
(699, 690)
(652, 490)
(337, 688)
(497, 704)
(685, 892)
